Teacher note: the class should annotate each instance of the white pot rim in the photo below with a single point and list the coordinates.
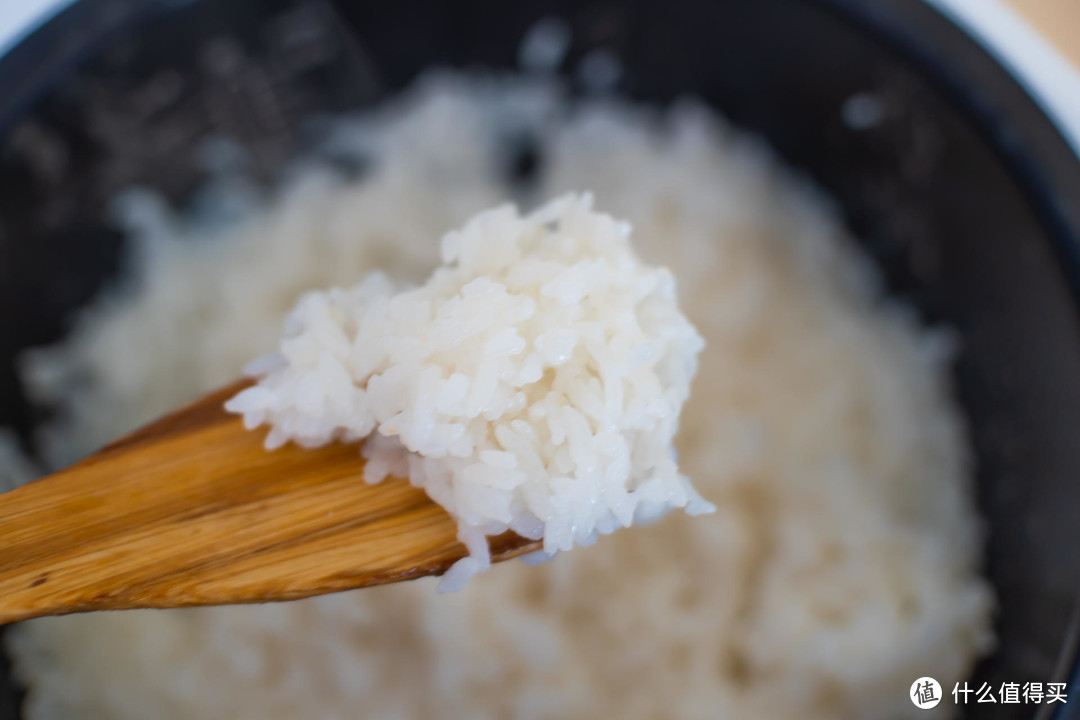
(1047, 76)
(19, 18)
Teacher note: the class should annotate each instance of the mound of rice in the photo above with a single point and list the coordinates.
(842, 560)
(533, 383)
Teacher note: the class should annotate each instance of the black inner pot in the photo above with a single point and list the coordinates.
(962, 189)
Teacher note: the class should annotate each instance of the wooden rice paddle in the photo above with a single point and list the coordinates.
(191, 510)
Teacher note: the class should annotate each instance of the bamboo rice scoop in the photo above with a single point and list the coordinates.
(192, 510)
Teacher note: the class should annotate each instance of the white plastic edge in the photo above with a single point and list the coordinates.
(1051, 80)
(19, 18)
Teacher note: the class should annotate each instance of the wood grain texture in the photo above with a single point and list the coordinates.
(191, 510)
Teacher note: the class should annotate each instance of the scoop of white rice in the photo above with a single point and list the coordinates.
(532, 384)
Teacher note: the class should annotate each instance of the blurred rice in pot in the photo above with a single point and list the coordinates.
(842, 561)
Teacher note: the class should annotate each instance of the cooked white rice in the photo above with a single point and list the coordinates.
(841, 563)
(533, 383)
